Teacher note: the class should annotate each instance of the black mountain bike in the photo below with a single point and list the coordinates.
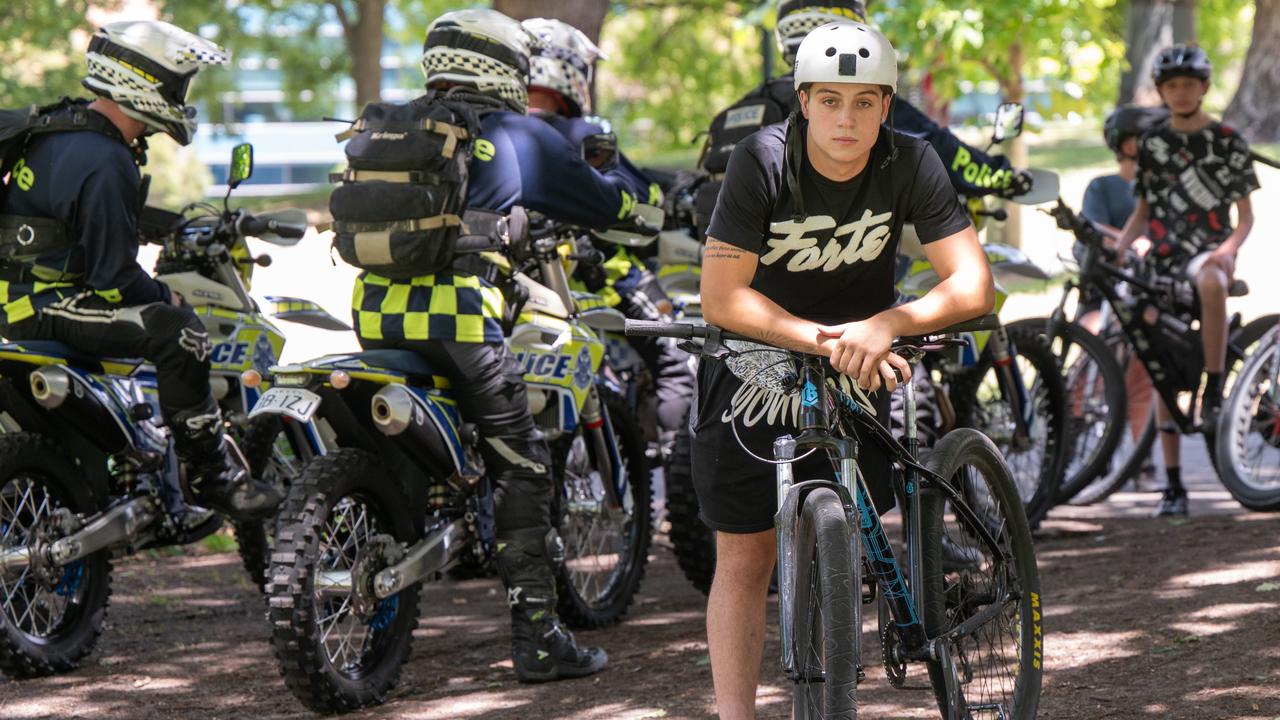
(1154, 315)
(972, 615)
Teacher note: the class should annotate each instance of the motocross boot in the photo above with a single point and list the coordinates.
(542, 650)
(216, 471)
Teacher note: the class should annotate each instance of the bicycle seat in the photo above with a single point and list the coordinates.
(52, 352)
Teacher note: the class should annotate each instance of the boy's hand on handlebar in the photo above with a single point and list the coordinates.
(862, 350)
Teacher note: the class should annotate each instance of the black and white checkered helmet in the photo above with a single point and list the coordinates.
(146, 67)
(481, 49)
(797, 18)
(563, 61)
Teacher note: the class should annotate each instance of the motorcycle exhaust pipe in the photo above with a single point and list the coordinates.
(50, 386)
(56, 390)
(392, 409)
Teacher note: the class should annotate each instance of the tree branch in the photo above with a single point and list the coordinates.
(343, 18)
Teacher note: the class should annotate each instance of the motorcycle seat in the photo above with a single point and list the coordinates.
(53, 352)
(414, 367)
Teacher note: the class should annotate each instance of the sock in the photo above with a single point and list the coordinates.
(1213, 391)
(1175, 482)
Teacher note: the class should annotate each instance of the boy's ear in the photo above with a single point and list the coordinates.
(804, 103)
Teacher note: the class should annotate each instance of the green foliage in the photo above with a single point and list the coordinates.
(672, 68)
(177, 177)
(1075, 45)
(40, 45)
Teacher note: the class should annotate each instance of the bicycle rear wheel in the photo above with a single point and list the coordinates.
(998, 661)
(826, 612)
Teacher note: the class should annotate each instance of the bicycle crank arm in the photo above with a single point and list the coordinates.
(117, 525)
(955, 699)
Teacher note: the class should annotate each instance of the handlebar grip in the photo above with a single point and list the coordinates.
(657, 328)
(250, 225)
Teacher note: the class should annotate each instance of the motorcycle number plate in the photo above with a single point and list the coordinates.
(296, 403)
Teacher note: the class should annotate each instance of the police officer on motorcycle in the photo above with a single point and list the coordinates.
(560, 93)
(69, 224)
(454, 319)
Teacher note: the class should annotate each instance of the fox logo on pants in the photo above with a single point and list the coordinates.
(196, 342)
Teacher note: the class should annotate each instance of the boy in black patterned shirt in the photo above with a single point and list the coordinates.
(1190, 172)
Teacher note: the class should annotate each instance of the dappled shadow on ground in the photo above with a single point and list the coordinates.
(1145, 619)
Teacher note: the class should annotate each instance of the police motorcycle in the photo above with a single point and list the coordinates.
(88, 471)
(398, 494)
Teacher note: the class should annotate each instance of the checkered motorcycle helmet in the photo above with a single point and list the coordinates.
(146, 67)
(563, 61)
(480, 49)
(797, 18)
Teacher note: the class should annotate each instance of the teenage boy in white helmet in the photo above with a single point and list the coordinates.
(81, 188)
(800, 253)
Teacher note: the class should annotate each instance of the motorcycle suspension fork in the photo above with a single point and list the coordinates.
(1004, 361)
(598, 432)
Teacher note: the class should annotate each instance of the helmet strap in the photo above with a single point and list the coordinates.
(893, 147)
(793, 158)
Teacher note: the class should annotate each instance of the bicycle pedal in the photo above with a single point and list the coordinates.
(869, 592)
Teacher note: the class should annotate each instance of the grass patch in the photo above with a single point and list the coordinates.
(1070, 155)
(220, 542)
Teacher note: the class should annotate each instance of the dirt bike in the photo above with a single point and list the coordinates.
(398, 493)
(87, 468)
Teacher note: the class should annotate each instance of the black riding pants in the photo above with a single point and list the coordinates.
(489, 388)
(172, 338)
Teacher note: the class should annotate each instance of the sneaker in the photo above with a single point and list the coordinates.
(1172, 504)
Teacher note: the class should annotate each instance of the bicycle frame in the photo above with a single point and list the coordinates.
(904, 595)
(1107, 279)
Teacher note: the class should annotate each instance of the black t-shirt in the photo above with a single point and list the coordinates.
(1190, 181)
(835, 265)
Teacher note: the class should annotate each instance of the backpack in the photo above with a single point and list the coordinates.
(23, 237)
(399, 211)
(765, 105)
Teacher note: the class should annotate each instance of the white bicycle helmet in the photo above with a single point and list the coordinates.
(797, 18)
(563, 61)
(481, 49)
(146, 67)
(846, 52)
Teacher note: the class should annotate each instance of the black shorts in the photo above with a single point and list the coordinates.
(738, 493)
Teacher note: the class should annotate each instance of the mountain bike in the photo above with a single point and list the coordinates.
(976, 625)
(1155, 314)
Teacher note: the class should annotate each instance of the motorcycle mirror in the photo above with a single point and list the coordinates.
(241, 165)
(1009, 117)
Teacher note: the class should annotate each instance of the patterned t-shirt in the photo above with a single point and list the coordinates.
(1190, 181)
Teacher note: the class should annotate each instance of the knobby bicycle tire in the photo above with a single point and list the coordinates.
(827, 615)
(953, 593)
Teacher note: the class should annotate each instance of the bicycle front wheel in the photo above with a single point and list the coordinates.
(826, 613)
(981, 587)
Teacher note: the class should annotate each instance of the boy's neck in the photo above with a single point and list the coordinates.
(1128, 169)
(1196, 122)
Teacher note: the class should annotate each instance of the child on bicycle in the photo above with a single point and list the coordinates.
(1108, 203)
(1190, 173)
(800, 253)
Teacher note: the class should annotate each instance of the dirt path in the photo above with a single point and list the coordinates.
(1145, 619)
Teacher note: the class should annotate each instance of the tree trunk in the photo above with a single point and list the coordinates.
(1152, 26)
(586, 15)
(364, 34)
(1014, 92)
(1253, 109)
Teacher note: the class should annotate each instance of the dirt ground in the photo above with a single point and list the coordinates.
(1145, 619)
